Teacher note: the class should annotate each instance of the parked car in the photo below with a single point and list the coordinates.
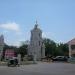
(60, 58)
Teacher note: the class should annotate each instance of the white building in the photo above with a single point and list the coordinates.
(36, 47)
(1, 45)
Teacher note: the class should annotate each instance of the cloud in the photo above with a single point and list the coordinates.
(10, 26)
(16, 43)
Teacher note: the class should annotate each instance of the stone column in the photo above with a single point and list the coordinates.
(43, 50)
(34, 58)
(70, 50)
(19, 59)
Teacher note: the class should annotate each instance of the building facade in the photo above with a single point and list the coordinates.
(71, 45)
(36, 47)
(9, 53)
(1, 45)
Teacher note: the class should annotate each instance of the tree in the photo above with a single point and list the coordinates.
(50, 46)
(62, 50)
(55, 49)
(65, 49)
(23, 50)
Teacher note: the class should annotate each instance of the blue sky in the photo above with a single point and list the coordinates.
(56, 18)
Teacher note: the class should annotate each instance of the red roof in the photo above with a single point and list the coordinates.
(72, 41)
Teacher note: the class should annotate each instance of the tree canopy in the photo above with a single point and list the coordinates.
(54, 49)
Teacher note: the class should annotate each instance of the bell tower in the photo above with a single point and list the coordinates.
(36, 43)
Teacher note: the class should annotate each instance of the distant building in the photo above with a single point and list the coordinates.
(36, 47)
(9, 53)
(1, 45)
(72, 48)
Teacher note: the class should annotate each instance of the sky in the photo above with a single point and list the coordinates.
(56, 19)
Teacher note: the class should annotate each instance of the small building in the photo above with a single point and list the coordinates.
(9, 53)
(36, 47)
(71, 45)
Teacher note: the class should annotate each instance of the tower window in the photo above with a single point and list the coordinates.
(73, 47)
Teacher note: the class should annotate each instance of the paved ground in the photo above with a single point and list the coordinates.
(40, 69)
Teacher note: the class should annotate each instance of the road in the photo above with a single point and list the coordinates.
(40, 69)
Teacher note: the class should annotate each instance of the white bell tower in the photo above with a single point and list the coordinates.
(36, 47)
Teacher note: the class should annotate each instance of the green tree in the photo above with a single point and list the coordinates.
(55, 49)
(65, 49)
(50, 46)
(23, 50)
(62, 50)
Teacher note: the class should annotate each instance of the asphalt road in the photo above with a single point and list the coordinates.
(40, 69)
